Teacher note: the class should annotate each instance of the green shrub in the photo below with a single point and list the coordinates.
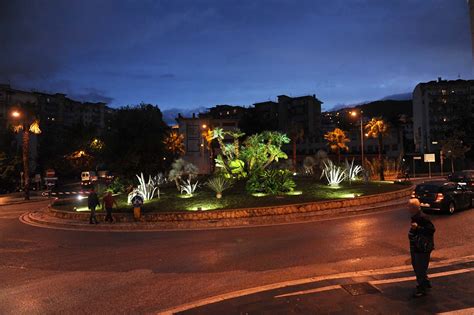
(271, 181)
(120, 185)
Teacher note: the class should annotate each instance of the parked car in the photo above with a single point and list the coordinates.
(465, 177)
(443, 196)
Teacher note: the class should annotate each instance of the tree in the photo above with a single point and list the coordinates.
(174, 143)
(337, 140)
(296, 134)
(377, 128)
(134, 143)
(454, 148)
(27, 123)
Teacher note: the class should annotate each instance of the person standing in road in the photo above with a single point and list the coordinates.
(107, 203)
(421, 236)
(92, 203)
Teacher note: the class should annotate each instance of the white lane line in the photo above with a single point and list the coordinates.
(434, 275)
(464, 311)
(328, 288)
(375, 282)
(244, 292)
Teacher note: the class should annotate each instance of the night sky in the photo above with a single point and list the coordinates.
(188, 54)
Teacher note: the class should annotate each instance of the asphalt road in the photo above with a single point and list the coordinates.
(56, 271)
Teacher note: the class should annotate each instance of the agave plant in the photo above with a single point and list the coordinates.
(187, 187)
(159, 180)
(352, 171)
(334, 174)
(147, 189)
(218, 184)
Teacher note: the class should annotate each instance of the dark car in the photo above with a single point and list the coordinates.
(443, 196)
(465, 178)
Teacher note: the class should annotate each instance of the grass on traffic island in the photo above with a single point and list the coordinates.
(236, 197)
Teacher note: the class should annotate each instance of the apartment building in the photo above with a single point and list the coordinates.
(289, 114)
(441, 108)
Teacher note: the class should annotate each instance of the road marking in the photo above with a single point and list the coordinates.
(434, 275)
(375, 282)
(328, 288)
(236, 294)
(464, 311)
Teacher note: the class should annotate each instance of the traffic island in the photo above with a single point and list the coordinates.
(199, 219)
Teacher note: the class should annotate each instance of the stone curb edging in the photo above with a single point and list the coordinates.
(318, 207)
(42, 219)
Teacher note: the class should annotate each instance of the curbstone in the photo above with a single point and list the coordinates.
(316, 208)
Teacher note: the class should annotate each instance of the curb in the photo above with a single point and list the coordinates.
(310, 208)
(42, 219)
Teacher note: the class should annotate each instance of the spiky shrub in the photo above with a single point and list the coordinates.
(352, 171)
(186, 187)
(334, 174)
(271, 181)
(218, 184)
(147, 189)
(159, 180)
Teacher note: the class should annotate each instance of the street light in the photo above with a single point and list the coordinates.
(355, 114)
(16, 114)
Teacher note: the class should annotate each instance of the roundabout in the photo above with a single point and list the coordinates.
(60, 218)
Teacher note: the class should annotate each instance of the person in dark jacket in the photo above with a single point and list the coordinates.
(92, 203)
(421, 236)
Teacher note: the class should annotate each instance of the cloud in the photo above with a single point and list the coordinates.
(91, 95)
(169, 115)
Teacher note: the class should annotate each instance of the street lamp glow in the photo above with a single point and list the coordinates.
(204, 126)
(16, 114)
(353, 114)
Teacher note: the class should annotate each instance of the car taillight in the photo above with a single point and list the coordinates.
(439, 197)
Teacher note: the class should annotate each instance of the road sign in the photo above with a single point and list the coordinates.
(430, 157)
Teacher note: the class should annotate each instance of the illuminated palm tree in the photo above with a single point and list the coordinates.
(26, 123)
(174, 143)
(236, 134)
(377, 128)
(337, 140)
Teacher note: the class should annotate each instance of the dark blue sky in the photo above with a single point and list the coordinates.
(187, 54)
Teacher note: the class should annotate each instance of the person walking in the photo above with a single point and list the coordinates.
(107, 203)
(92, 203)
(421, 236)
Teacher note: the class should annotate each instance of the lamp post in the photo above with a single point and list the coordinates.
(355, 114)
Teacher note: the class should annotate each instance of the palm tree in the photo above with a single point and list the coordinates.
(296, 134)
(174, 143)
(337, 140)
(218, 133)
(236, 134)
(27, 123)
(377, 128)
